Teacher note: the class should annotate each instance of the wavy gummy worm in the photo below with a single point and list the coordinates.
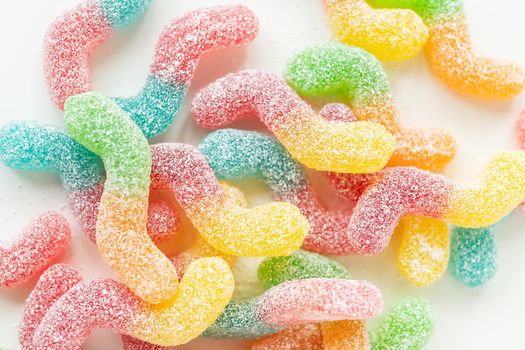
(358, 147)
(451, 55)
(388, 34)
(355, 76)
(42, 241)
(72, 38)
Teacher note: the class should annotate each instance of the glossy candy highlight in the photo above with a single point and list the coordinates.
(355, 76)
(388, 34)
(359, 147)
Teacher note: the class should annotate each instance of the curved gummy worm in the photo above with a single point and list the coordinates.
(183, 41)
(300, 337)
(407, 325)
(520, 128)
(46, 237)
(452, 58)
(473, 255)
(354, 75)
(424, 250)
(267, 230)
(237, 154)
(29, 145)
(53, 283)
(296, 302)
(411, 191)
(393, 35)
(204, 291)
(359, 147)
(104, 128)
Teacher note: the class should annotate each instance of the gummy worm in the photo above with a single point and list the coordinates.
(34, 146)
(358, 147)
(204, 291)
(411, 191)
(326, 288)
(72, 38)
(102, 127)
(353, 75)
(46, 237)
(473, 255)
(393, 35)
(451, 56)
(268, 230)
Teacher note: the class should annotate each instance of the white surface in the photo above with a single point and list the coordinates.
(488, 318)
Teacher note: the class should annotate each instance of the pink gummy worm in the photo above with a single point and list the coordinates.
(163, 220)
(52, 285)
(68, 46)
(41, 243)
(244, 94)
(183, 40)
(318, 300)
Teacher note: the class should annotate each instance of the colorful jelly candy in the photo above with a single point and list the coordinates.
(204, 291)
(53, 283)
(407, 325)
(353, 75)
(392, 35)
(267, 230)
(28, 145)
(72, 38)
(473, 255)
(104, 128)
(450, 52)
(237, 154)
(359, 147)
(345, 335)
(411, 191)
(46, 237)
(300, 337)
(520, 127)
(424, 250)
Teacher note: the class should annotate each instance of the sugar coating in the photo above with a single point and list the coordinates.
(424, 250)
(411, 191)
(121, 13)
(53, 283)
(268, 230)
(520, 128)
(407, 325)
(299, 265)
(39, 147)
(73, 37)
(473, 258)
(41, 243)
(393, 35)
(237, 154)
(401, 191)
(99, 124)
(358, 147)
(130, 343)
(337, 112)
(355, 76)
(300, 337)
(351, 186)
(203, 293)
(451, 54)
(345, 335)
(318, 300)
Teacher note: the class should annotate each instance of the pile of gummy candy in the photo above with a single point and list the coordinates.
(385, 171)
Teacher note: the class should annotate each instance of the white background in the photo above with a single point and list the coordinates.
(487, 318)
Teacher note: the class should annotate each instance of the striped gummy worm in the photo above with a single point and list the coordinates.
(38, 147)
(42, 241)
(72, 38)
(451, 54)
(355, 76)
(99, 124)
(359, 147)
(388, 34)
